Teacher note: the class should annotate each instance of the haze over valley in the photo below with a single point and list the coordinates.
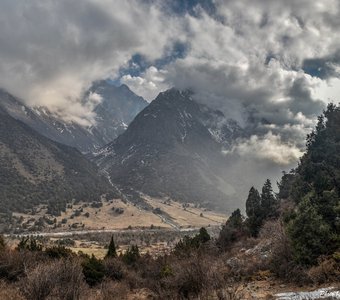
(169, 149)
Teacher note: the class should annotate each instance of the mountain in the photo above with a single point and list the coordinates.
(49, 125)
(117, 108)
(35, 170)
(174, 148)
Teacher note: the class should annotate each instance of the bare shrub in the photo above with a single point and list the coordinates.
(281, 261)
(62, 279)
(195, 276)
(114, 268)
(114, 290)
(281, 258)
(152, 271)
(39, 282)
(9, 292)
(133, 279)
(245, 267)
(69, 279)
(327, 270)
(14, 264)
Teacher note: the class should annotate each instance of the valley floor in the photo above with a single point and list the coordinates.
(120, 215)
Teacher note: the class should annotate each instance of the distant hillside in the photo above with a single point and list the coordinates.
(174, 148)
(35, 170)
(117, 108)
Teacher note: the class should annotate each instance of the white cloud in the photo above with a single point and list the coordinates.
(269, 147)
(149, 84)
(329, 90)
(246, 60)
(51, 51)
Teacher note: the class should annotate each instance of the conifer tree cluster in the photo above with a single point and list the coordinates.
(314, 226)
(260, 207)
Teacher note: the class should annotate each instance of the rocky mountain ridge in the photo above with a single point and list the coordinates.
(117, 108)
(173, 148)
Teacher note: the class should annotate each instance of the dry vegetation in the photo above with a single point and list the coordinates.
(119, 215)
(196, 269)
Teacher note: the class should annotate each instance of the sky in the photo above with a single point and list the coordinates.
(271, 65)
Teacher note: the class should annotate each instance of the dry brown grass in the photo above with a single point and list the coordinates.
(62, 279)
(14, 264)
(327, 270)
(9, 292)
(111, 290)
(105, 218)
(190, 216)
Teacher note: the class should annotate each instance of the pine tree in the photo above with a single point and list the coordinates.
(311, 236)
(314, 227)
(254, 212)
(111, 252)
(253, 203)
(269, 203)
(93, 270)
(285, 184)
(232, 231)
(131, 255)
(203, 236)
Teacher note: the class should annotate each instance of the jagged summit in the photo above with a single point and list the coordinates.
(117, 108)
(173, 147)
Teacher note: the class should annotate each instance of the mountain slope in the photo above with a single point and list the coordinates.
(116, 110)
(174, 148)
(35, 170)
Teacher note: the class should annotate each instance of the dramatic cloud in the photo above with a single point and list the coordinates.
(268, 147)
(51, 51)
(271, 65)
(148, 84)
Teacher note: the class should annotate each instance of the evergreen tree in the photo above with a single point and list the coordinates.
(131, 255)
(315, 226)
(111, 252)
(236, 219)
(93, 270)
(30, 244)
(232, 231)
(285, 184)
(187, 244)
(311, 236)
(203, 236)
(254, 212)
(268, 201)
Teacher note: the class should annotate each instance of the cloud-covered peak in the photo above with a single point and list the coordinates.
(271, 65)
(52, 51)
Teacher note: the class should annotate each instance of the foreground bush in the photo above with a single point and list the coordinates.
(61, 279)
(93, 270)
(14, 264)
(327, 270)
(9, 292)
